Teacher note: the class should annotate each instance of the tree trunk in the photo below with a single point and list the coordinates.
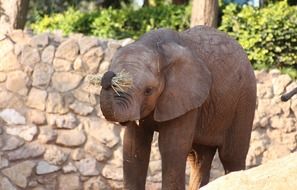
(205, 12)
(13, 14)
(179, 2)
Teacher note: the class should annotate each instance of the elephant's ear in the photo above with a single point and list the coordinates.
(187, 82)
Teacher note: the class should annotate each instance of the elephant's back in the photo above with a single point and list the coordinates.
(232, 79)
(224, 56)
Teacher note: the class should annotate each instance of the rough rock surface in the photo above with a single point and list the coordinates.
(55, 155)
(30, 56)
(42, 75)
(276, 175)
(11, 143)
(5, 184)
(69, 182)
(65, 81)
(28, 151)
(69, 168)
(19, 173)
(36, 99)
(71, 137)
(11, 116)
(44, 167)
(36, 117)
(67, 121)
(46, 134)
(88, 167)
(56, 103)
(17, 82)
(27, 132)
(51, 117)
(48, 54)
(68, 50)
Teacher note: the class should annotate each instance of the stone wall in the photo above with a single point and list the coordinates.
(53, 135)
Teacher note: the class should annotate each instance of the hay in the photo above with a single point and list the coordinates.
(120, 83)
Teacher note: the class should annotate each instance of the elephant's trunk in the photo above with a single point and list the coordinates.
(117, 104)
(288, 95)
(106, 80)
(114, 107)
(106, 100)
(107, 105)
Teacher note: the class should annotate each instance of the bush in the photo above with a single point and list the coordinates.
(116, 23)
(126, 22)
(70, 21)
(268, 35)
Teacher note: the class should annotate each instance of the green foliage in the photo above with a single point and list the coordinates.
(126, 22)
(40, 8)
(110, 23)
(117, 23)
(68, 22)
(268, 35)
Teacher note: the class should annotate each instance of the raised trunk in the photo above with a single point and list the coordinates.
(289, 95)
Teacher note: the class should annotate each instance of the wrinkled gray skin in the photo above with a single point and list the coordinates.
(197, 89)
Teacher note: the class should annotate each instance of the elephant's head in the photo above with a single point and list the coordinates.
(168, 80)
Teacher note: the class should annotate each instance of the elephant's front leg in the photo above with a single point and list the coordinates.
(136, 154)
(175, 143)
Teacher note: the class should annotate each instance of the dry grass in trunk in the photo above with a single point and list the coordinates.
(120, 83)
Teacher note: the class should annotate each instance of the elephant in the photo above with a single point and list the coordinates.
(289, 95)
(196, 89)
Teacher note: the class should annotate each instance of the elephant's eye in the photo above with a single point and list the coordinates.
(148, 91)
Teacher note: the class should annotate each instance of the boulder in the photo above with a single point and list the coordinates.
(275, 175)
(27, 132)
(5, 184)
(42, 75)
(37, 99)
(48, 54)
(17, 82)
(65, 81)
(56, 104)
(71, 137)
(12, 117)
(9, 62)
(68, 50)
(62, 64)
(30, 56)
(28, 151)
(69, 182)
(44, 167)
(88, 167)
(12, 143)
(47, 134)
(55, 155)
(19, 173)
(40, 41)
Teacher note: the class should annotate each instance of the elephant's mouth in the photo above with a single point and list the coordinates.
(129, 123)
(125, 123)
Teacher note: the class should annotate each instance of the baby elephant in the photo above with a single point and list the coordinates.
(196, 88)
